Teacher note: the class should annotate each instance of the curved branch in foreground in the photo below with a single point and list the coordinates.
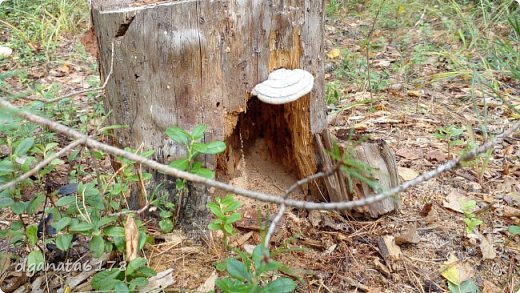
(253, 194)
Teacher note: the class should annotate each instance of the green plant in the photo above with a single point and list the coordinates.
(194, 147)
(451, 134)
(252, 274)
(224, 211)
(514, 230)
(125, 278)
(470, 219)
(192, 142)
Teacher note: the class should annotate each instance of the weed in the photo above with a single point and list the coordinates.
(224, 211)
(470, 219)
(252, 274)
(451, 134)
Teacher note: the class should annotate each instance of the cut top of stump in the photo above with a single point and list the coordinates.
(284, 86)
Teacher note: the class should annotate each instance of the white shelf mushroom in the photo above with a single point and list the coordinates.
(283, 86)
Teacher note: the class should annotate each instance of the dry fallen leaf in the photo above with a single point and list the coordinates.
(407, 173)
(454, 199)
(426, 209)
(410, 235)
(334, 53)
(455, 271)
(511, 212)
(490, 287)
(486, 247)
(409, 154)
(315, 218)
(435, 155)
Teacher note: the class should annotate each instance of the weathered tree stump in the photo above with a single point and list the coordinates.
(188, 62)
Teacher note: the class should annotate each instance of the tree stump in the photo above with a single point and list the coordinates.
(181, 63)
(188, 62)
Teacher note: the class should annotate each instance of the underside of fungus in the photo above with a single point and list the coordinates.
(283, 86)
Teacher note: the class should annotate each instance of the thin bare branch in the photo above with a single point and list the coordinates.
(345, 205)
(43, 163)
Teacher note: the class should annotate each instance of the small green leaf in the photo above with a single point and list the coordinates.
(80, 227)
(513, 229)
(206, 173)
(35, 261)
(213, 226)
(181, 164)
(24, 146)
(281, 285)
(211, 148)
(61, 224)
(137, 283)
(465, 287)
(233, 218)
(215, 209)
(66, 201)
(115, 231)
(32, 234)
(228, 228)
(166, 225)
(198, 132)
(142, 240)
(178, 135)
(63, 241)
(147, 272)
(35, 204)
(237, 270)
(97, 245)
(105, 221)
(6, 167)
(134, 265)
(120, 287)
(18, 208)
(105, 280)
(6, 202)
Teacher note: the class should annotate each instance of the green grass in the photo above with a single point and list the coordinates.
(466, 39)
(34, 29)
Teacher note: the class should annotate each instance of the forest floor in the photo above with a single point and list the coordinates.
(436, 79)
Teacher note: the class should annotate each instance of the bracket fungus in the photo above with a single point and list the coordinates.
(283, 86)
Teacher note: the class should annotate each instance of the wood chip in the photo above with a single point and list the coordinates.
(407, 173)
(209, 284)
(511, 212)
(486, 247)
(159, 282)
(388, 249)
(409, 236)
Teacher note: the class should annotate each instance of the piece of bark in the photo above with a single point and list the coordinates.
(410, 235)
(389, 250)
(381, 159)
(159, 282)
